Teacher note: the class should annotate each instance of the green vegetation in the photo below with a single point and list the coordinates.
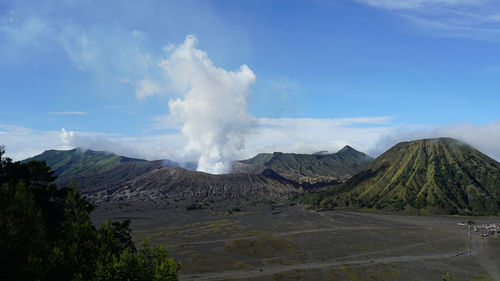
(212, 262)
(67, 163)
(480, 278)
(341, 165)
(46, 234)
(447, 276)
(93, 168)
(263, 247)
(193, 206)
(353, 275)
(233, 209)
(432, 176)
(286, 276)
(260, 158)
(236, 209)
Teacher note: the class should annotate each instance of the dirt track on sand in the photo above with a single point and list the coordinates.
(333, 245)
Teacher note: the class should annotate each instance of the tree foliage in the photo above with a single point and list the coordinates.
(46, 234)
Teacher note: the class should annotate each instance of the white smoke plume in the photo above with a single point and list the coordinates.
(213, 108)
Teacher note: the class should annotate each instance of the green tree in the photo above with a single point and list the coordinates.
(31, 214)
(46, 234)
(150, 263)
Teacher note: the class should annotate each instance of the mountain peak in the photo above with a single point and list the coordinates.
(351, 152)
(347, 148)
(440, 175)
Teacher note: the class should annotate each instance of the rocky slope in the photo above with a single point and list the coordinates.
(175, 186)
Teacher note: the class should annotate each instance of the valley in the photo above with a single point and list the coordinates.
(290, 243)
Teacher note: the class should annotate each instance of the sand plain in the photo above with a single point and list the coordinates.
(268, 242)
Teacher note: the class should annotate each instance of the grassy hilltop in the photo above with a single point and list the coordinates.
(93, 168)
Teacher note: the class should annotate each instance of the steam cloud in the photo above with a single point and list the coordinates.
(213, 109)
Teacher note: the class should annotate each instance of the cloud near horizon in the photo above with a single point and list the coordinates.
(281, 134)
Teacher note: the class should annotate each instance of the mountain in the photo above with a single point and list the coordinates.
(175, 186)
(91, 168)
(307, 168)
(106, 177)
(430, 176)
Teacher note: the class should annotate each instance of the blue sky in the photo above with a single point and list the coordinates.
(369, 72)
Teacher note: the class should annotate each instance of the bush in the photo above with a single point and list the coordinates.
(193, 206)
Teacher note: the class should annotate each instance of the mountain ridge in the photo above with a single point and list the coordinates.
(87, 167)
(107, 177)
(307, 168)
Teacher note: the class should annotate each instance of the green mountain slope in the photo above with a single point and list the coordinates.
(431, 175)
(307, 168)
(93, 168)
(77, 161)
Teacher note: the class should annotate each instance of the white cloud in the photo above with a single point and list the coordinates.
(146, 88)
(110, 54)
(24, 31)
(99, 142)
(324, 123)
(278, 97)
(21, 142)
(150, 147)
(475, 19)
(167, 121)
(114, 55)
(168, 48)
(68, 113)
(66, 136)
(417, 4)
